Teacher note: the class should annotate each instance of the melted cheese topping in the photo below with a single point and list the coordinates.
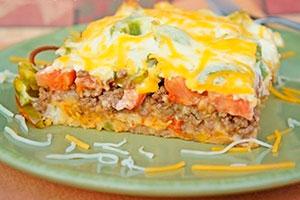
(212, 53)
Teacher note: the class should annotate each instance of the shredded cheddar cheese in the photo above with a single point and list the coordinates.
(225, 149)
(283, 132)
(283, 96)
(291, 91)
(287, 54)
(234, 149)
(77, 141)
(165, 168)
(244, 168)
(277, 142)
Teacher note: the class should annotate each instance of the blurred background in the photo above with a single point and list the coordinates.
(24, 19)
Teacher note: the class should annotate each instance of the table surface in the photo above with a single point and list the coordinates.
(18, 185)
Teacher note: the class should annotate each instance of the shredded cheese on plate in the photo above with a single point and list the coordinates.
(283, 132)
(291, 91)
(5, 112)
(71, 147)
(77, 141)
(110, 148)
(19, 118)
(227, 148)
(104, 158)
(287, 54)
(146, 153)
(98, 144)
(247, 168)
(277, 141)
(165, 168)
(22, 123)
(282, 96)
(108, 158)
(233, 149)
(129, 162)
(14, 135)
(292, 123)
(73, 156)
(113, 146)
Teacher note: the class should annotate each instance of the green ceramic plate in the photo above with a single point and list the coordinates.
(91, 175)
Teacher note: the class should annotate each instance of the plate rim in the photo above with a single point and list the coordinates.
(142, 187)
(114, 185)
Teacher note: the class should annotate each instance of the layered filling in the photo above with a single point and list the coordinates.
(171, 111)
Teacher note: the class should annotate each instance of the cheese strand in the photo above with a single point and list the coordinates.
(227, 148)
(15, 136)
(77, 141)
(277, 141)
(247, 168)
(165, 168)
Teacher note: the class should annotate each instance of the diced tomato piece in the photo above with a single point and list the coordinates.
(87, 82)
(176, 125)
(227, 104)
(179, 93)
(140, 100)
(56, 80)
(130, 100)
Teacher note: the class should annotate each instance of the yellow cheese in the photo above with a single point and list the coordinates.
(247, 168)
(291, 91)
(77, 141)
(235, 45)
(165, 168)
(234, 149)
(283, 132)
(277, 141)
(283, 96)
(287, 54)
(195, 41)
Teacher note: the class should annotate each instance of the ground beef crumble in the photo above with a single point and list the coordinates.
(157, 104)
